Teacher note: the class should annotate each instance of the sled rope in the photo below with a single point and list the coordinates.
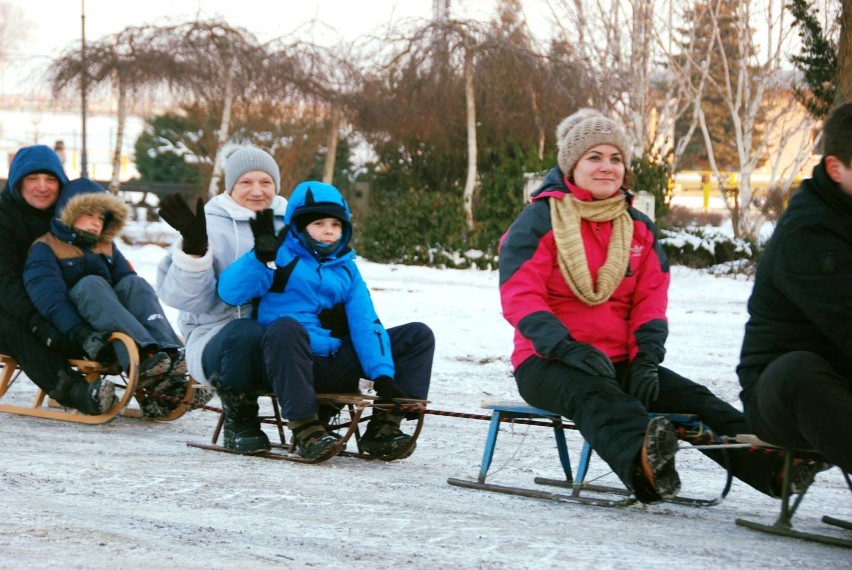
(700, 441)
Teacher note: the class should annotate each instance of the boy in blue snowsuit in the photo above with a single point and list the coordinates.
(314, 270)
(82, 284)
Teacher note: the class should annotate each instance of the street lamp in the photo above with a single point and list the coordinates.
(84, 163)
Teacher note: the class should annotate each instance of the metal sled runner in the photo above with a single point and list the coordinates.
(353, 410)
(127, 382)
(689, 428)
(783, 525)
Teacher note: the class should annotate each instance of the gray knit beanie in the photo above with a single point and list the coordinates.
(586, 129)
(245, 159)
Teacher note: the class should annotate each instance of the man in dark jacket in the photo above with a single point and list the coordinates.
(26, 208)
(796, 362)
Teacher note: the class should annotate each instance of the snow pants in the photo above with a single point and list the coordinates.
(233, 356)
(614, 422)
(297, 375)
(801, 401)
(131, 307)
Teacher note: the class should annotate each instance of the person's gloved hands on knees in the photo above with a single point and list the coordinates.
(265, 242)
(192, 226)
(94, 343)
(643, 381)
(335, 320)
(387, 389)
(584, 357)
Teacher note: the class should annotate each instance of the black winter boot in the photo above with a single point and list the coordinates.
(313, 442)
(92, 399)
(383, 436)
(241, 432)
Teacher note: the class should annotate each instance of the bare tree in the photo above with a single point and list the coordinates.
(126, 62)
(844, 56)
(213, 64)
(14, 29)
(756, 92)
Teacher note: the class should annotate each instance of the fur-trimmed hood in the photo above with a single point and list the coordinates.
(82, 196)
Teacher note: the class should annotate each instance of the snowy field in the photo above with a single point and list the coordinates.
(131, 494)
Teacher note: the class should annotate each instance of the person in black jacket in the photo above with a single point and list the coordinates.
(796, 361)
(26, 208)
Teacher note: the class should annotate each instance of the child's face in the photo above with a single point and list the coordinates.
(92, 223)
(325, 230)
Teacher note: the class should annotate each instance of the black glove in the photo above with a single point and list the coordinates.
(52, 338)
(584, 357)
(334, 320)
(265, 242)
(192, 226)
(386, 389)
(643, 382)
(94, 343)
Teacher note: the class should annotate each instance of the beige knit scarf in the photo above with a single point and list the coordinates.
(565, 216)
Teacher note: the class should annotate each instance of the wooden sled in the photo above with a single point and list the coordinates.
(126, 384)
(689, 428)
(783, 525)
(345, 425)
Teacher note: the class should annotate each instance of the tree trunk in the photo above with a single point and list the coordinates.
(844, 56)
(224, 129)
(539, 125)
(470, 106)
(115, 183)
(333, 138)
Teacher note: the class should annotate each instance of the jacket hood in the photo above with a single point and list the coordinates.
(312, 198)
(82, 196)
(30, 159)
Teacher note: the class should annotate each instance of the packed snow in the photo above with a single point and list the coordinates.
(131, 494)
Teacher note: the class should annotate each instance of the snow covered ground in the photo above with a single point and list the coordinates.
(131, 494)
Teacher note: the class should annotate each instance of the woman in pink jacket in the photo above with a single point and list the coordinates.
(584, 281)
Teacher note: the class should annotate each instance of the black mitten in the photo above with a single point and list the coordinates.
(192, 226)
(52, 338)
(584, 357)
(386, 389)
(265, 242)
(334, 320)
(643, 382)
(94, 343)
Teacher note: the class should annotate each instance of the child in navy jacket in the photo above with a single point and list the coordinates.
(82, 284)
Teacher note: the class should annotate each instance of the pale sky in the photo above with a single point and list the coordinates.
(55, 25)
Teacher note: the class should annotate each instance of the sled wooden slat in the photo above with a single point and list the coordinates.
(44, 407)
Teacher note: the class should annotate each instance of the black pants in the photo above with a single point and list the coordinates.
(614, 423)
(297, 375)
(39, 363)
(801, 401)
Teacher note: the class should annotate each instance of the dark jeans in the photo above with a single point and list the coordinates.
(39, 363)
(614, 423)
(297, 375)
(233, 356)
(131, 307)
(801, 401)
